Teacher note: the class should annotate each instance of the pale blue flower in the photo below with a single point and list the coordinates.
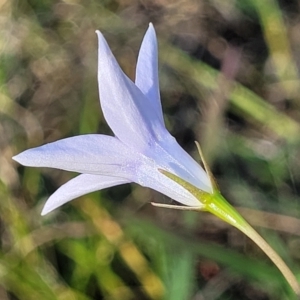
(142, 150)
(141, 147)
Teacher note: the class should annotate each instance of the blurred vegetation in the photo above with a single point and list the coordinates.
(229, 74)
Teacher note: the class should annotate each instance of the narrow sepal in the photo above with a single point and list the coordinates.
(207, 169)
(179, 207)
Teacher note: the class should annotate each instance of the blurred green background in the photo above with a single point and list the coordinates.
(229, 75)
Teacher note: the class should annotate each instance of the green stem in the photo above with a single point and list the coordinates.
(218, 206)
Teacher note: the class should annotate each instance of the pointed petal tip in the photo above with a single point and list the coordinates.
(151, 29)
(28, 158)
(47, 209)
(98, 32)
(43, 213)
(150, 41)
(103, 49)
(100, 37)
(19, 158)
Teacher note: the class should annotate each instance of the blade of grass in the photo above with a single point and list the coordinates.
(246, 102)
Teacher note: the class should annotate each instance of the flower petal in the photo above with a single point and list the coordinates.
(91, 153)
(170, 156)
(149, 176)
(132, 118)
(78, 186)
(146, 78)
(135, 119)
